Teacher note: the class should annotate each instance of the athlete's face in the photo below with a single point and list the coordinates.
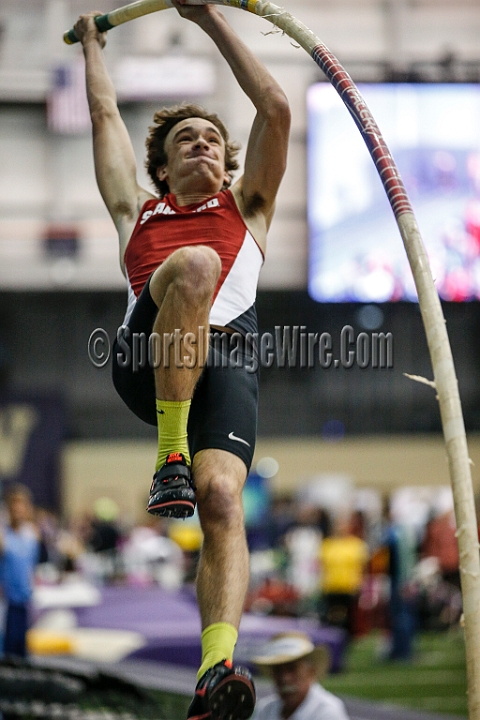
(196, 157)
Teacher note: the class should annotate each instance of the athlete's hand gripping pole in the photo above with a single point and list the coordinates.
(132, 11)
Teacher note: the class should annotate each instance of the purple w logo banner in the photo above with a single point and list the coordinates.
(32, 428)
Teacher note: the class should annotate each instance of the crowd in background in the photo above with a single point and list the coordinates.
(349, 569)
(360, 574)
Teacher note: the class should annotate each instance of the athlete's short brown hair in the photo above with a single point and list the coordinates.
(165, 120)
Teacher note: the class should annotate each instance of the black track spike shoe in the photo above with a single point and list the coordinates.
(172, 493)
(224, 692)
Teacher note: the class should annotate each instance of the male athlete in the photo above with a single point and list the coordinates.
(192, 255)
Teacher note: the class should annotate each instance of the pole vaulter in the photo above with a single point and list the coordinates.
(445, 381)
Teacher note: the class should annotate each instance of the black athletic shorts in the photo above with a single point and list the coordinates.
(223, 414)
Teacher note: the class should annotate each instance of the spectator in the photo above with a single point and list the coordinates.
(280, 519)
(343, 560)
(149, 556)
(303, 542)
(401, 543)
(440, 541)
(104, 532)
(296, 664)
(19, 553)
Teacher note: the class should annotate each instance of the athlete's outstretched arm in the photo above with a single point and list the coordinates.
(267, 146)
(115, 164)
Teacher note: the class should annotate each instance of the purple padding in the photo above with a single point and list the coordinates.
(170, 623)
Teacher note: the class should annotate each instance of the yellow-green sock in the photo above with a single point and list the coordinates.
(218, 643)
(172, 418)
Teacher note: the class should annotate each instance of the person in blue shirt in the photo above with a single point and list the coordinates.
(19, 553)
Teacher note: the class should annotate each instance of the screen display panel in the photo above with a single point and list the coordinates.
(355, 250)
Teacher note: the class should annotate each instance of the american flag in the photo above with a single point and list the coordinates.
(67, 107)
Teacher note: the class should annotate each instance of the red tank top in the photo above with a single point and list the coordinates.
(163, 226)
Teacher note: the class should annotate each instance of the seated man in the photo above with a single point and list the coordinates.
(296, 665)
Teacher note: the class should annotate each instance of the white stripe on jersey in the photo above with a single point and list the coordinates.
(132, 299)
(238, 291)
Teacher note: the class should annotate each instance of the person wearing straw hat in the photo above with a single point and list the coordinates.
(296, 666)
(191, 252)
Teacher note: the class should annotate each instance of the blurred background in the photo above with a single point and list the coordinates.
(339, 441)
(59, 271)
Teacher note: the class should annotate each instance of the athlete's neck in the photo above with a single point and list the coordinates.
(191, 198)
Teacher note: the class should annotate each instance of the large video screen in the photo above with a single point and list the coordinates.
(433, 132)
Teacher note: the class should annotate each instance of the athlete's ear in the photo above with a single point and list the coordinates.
(162, 172)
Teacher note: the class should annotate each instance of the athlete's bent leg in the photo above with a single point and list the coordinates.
(182, 289)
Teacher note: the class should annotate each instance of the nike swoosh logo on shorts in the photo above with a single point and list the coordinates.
(234, 437)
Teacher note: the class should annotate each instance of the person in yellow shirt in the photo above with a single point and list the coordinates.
(343, 558)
